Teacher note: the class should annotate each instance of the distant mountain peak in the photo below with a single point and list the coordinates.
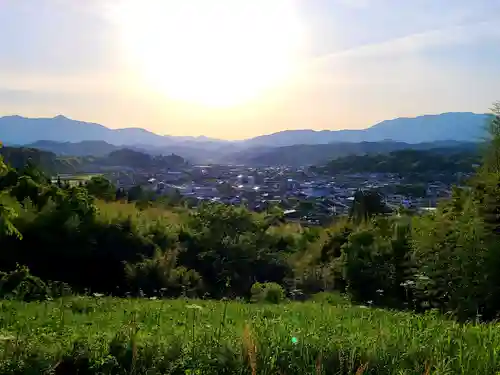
(60, 117)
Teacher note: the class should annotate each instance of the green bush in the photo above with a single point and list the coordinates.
(456, 262)
(267, 292)
(377, 261)
(21, 285)
(160, 275)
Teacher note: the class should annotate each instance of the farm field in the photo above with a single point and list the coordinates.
(138, 336)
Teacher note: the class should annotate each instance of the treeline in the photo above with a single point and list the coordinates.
(407, 162)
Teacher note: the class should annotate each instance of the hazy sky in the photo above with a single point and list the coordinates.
(356, 62)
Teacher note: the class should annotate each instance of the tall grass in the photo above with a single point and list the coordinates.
(125, 336)
(113, 210)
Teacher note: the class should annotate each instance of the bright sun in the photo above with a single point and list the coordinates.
(213, 52)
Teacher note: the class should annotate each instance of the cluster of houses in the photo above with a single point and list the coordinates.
(303, 195)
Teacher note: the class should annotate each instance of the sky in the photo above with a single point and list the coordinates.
(238, 69)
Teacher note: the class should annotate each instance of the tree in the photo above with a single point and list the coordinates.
(3, 167)
(7, 214)
(456, 249)
(455, 266)
(491, 158)
(486, 184)
(31, 170)
(226, 189)
(375, 261)
(101, 188)
(27, 188)
(120, 194)
(135, 193)
(172, 198)
(8, 179)
(231, 248)
(367, 204)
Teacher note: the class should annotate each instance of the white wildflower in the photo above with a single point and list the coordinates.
(194, 307)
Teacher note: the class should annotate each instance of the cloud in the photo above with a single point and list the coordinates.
(418, 42)
(451, 68)
(19, 81)
(419, 60)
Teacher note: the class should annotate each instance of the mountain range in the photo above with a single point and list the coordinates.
(65, 136)
(23, 130)
(455, 126)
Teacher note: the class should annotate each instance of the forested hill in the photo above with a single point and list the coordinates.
(18, 157)
(406, 161)
(84, 148)
(303, 154)
(137, 159)
(50, 163)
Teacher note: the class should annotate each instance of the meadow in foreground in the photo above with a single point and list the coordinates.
(133, 336)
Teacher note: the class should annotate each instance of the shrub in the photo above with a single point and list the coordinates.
(20, 284)
(456, 263)
(161, 275)
(377, 261)
(267, 292)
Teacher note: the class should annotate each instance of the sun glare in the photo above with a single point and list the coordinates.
(215, 53)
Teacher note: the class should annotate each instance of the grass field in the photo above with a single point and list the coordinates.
(120, 336)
